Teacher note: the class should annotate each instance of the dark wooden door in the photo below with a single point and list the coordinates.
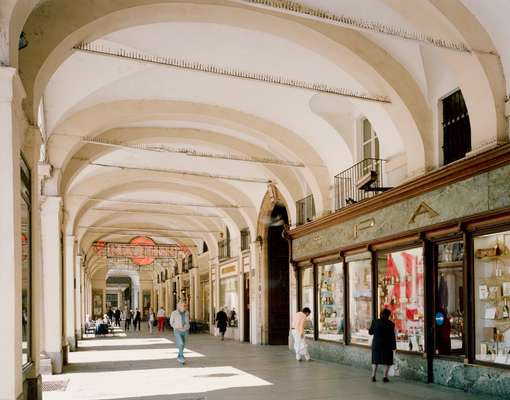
(247, 307)
(278, 282)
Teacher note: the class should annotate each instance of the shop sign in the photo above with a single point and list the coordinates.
(231, 269)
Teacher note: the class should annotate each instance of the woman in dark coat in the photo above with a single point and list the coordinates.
(222, 322)
(383, 344)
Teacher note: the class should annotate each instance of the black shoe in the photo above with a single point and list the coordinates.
(373, 379)
(385, 380)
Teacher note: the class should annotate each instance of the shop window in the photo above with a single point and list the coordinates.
(360, 301)
(401, 289)
(307, 294)
(456, 128)
(229, 298)
(492, 297)
(331, 302)
(449, 308)
(26, 264)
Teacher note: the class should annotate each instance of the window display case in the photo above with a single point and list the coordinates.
(229, 298)
(307, 292)
(330, 299)
(449, 305)
(401, 290)
(360, 301)
(492, 297)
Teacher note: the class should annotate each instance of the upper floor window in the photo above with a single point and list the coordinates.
(456, 128)
(245, 239)
(224, 245)
(369, 141)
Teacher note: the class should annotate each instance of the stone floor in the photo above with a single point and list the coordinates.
(143, 366)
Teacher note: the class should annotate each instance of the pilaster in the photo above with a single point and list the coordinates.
(52, 341)
(11, 385)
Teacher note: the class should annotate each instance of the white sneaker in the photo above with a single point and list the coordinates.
(307, 358)
(298, 358)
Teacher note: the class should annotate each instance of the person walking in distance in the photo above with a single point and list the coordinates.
(129, 316)
(117, 317)
(298, 334)
(161, 319)
(383, 344)
(150, 319)
(222, 322)
(137, 320)
(179, 320)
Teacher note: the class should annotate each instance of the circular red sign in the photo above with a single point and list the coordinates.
(142, 241)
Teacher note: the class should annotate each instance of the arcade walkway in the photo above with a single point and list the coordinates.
(143, 367)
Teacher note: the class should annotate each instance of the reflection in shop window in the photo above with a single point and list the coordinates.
(307, 293)
(360, 301)
(401, 290)
(449, 310)
(492, 294)
(331, 302)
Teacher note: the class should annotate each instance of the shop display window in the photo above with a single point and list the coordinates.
(360, 301)
(449, 307)
(401, 290)
(330, 298)
(492, 297)
(229, 298)
(307, 293)
(26, 264)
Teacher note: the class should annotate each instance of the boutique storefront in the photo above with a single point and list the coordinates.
(436, 253)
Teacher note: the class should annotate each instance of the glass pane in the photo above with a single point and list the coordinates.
(360, 301)
(331, 302)
(367, 130)
(307, 297)
(449, 311)
(367, 150)
(492, 297)
(25, 281)
(401, 290)
(229, 299)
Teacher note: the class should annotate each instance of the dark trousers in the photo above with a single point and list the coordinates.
(127, 324)
(137, 323)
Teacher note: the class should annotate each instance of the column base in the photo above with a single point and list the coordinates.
(65, 354)
(32, 388)
(71, 343)
(57, 361)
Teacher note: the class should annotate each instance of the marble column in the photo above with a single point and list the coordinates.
(10, 233)
(52, 342)
(69, 292)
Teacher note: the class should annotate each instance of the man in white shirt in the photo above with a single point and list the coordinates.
(298, 334)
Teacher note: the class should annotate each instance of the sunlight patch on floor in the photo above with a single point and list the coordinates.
(97, 356)
(151, 382)
(122, 342)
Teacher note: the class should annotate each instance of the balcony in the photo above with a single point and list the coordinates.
(362, 181)
(224, 249)
(305, 209)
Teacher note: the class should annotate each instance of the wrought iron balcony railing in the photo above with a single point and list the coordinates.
(305, 209)
(362, 181)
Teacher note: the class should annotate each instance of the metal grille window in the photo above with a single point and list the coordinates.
(456, 128)
(305, 209)
(245, 239)
(224, 246)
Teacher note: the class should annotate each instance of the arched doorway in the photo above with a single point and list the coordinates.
(278, 277)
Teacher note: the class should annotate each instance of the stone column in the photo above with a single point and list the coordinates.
(69, 292)
(52, 343)
(10, 233)
(78, 302)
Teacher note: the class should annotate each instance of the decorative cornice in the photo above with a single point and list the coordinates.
(440, 177)
(228, 71)
(329, 17)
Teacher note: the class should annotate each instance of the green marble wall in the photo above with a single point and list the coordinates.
(485, 192)
(478, 194)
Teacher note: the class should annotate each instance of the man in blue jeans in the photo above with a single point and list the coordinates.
(179, 320)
